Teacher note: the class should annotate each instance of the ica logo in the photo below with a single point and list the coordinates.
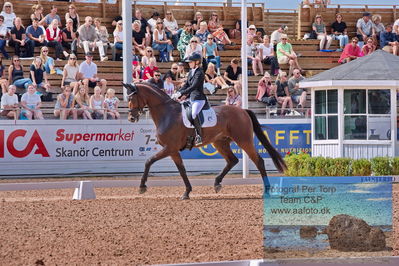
(35, 144)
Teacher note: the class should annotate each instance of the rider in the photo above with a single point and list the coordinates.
(194, 88)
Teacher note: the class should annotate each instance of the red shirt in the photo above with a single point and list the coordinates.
(149, 71)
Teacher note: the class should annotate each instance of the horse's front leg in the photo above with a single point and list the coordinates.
(182, 170)
(160, 155)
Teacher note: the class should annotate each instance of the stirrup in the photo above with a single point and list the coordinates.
(198, 140)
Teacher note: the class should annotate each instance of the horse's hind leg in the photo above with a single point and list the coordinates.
(158, 156)
(182, 170)
(223, 147)
(249, 148)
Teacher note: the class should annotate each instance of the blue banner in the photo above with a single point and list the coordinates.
(284, 137)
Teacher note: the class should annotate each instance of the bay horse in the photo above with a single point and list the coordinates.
(233, 124)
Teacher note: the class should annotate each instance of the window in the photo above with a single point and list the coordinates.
(326, 114)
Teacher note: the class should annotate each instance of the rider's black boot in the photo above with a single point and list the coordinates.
(198, 131)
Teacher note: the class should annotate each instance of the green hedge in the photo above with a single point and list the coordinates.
(304, 165)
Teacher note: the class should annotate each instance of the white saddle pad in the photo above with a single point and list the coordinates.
(210, 118)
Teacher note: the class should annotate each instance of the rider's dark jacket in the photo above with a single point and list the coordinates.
(194, 86)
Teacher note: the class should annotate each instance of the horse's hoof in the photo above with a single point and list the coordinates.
(142, 190)
(185, 197)
(218, 188)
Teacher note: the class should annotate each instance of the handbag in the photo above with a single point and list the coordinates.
(313, 35)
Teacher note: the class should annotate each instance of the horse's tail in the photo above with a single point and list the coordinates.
(275, 155)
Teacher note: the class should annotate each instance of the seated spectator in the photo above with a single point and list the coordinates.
(221, 37)
(351, 52)
(145, 28)
(275, 37)
(181, 72)
(8, 15)
(173, 74)
(339, 32)
(233, 97)
(213, 23)
(198, 18)
(287, 55)
(35, 37)
(54, 39)
(88, 38)
(211, 53)
(364, 27)
(232, 75)
(251, 32)
(70, 74)
(18, 38)
(70, 37)
(9, 103)
(51, 16)
(111, 104)
(253, 58)
(369, 47)
(149, 53)
(266, 92)
(138, 38)
(39, 79)
(193, 48)
(38, 14)
(152, 22)
(3, 80)
(258, 38)
(88, 71)
(16, 74)
(118, 33)
(211, 77)
(73, 15)
(101, 39)
(185, 38)
(216, 29)
(64, 106)
(320, 28)
(236, 32)
(396, 27)
(31, 104)
(81, 102)
(171, 27)
(137, 72)
(378, 27)
(3, 38)
(116, 19)
(161, 43)
(298, 96)
(202, 33)
(168, 85)
(283, 94)
(267, 55)
(156, 79)
(388, 41)
(150, 69)
(97, 104)
(48, 62)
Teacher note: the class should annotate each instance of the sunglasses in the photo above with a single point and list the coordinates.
(187, 25)
(8, 6)
(157, 75)
(284, 39)
(159, 22)
(214, 15)
(16, 60)
(168, 13)
(45, 51)
(149, 51)
(251, 29)
(194, 41)
(175, 68)
(354, 41)
(210, 38)
(72, 58)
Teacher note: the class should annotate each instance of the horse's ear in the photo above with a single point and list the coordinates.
(131, 88)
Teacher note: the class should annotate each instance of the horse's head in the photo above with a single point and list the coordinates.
(135, 105)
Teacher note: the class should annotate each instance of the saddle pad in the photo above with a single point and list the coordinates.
(210, 118)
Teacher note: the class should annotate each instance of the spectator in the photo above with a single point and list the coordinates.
(221, 37)
(185, 38)
(152, 22)
(369, 47)
(88, 71)
(388, 41)
(70, 37)
(198, 18)
(9, 103)
(38, 14)
(138, 38)
(253, 58)
(275, 37)
(101, 39)
(111, 104)
(149, 53)
(171, 27)
(156, 80)
(18, 38)
(35, 37)
(70, 74)
(81, 102)
(339, 32)
(172, 72)
(298, 96)
(3, 38)
(150, 69)
(378, 27)
(202, 33)
(39, 79)
(181, 74)
(48, 62)
(216, 29)
(116, 19)
(232, 75)
(320, 28)
(161, 43)
(396, 27)
(258, 38)
(266, 53)
(3, 80)
(211, 53)
(145, 28)
(8, 15)
(16, 74)
(236, 32)
(193, 48)
(97, 104)
(351, 52)
(213, 23)
(283, 95)
(72, 14)
(136, 72)
(266, 92)
(51, 16)
(168, 85)
(233, 97)
(54, 39)
(287, 55)
(88, 38)
(251, 32)
(118, 34)
(365, 27)
(31, 104)
(217, 81)
(64, 106)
